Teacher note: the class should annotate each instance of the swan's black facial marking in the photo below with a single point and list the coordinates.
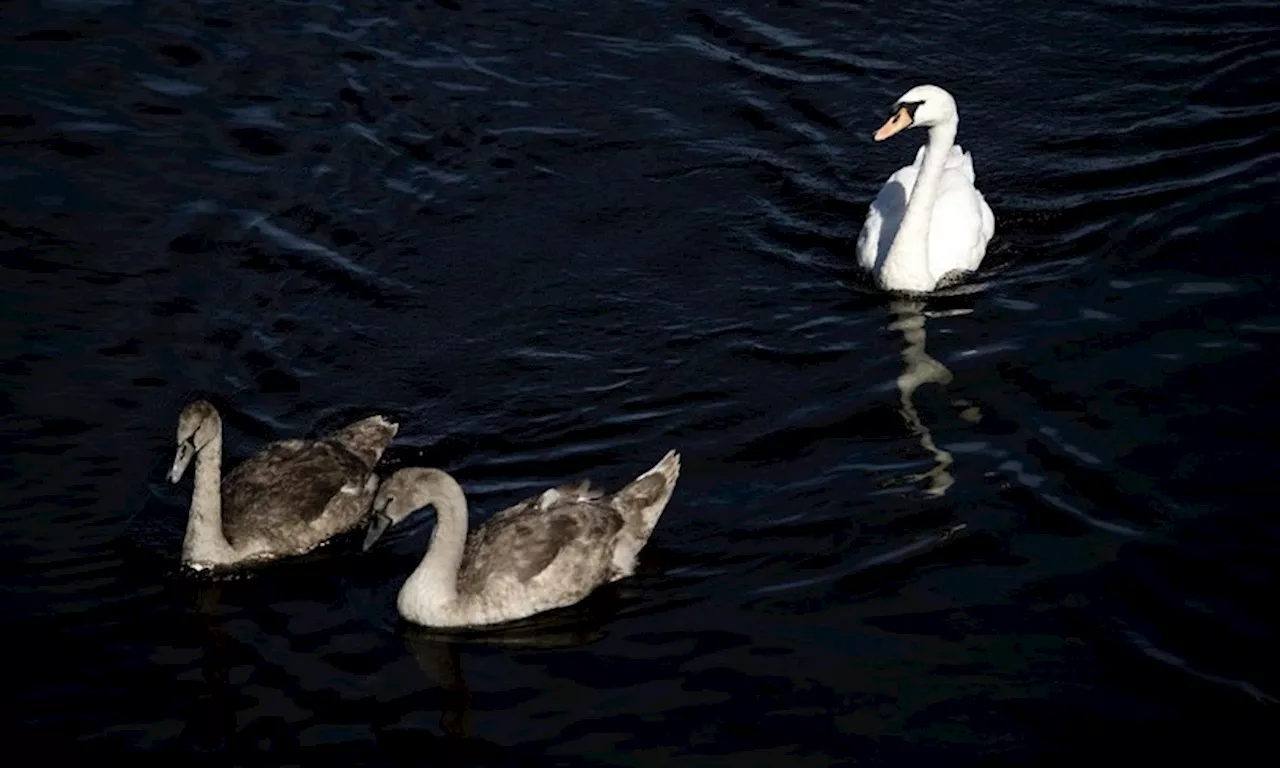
(910, 106)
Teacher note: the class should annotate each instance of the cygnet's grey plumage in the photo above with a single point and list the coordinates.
(288, 499)
(546, 552)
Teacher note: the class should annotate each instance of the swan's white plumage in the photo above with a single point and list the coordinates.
(960, 226)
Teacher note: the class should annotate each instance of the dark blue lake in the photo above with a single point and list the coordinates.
(1028, 520)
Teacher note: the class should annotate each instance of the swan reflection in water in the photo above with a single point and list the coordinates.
(919, 368)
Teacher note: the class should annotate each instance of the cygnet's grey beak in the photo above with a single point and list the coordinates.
(180, 460)
(378, 524)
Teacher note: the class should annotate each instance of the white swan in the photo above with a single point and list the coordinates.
(546, 552)
(290, 498)
(929, 224)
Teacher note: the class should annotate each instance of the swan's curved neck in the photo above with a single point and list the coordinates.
(910, 250)
(433, 586)
(205, 543)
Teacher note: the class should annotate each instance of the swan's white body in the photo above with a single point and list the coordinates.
(929, 224)
(548, 551)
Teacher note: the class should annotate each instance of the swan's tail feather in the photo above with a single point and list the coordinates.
(367, 438)
(573, 493)
(646, 497)
(961, 161)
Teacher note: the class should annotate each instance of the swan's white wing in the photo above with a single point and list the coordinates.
(962, 224)
(962, 161)
(988, 219)
(884, 215)
(962, 221)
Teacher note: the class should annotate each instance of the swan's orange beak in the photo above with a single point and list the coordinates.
(900, 120)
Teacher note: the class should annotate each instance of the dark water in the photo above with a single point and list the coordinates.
(1030, 521)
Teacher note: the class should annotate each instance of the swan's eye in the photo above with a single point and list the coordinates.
(910, 106)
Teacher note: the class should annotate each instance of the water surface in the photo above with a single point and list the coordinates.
(1031, 519)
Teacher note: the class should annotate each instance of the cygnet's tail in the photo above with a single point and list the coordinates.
(644, 498)
(367, 438)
